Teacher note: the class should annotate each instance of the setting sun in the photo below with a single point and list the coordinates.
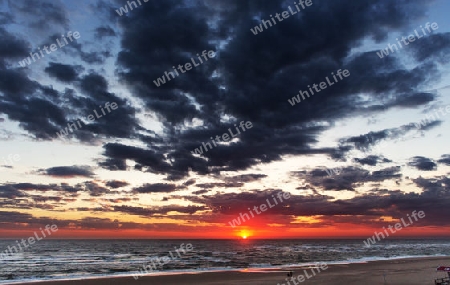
(245, 234)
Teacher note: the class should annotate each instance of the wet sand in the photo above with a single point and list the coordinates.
(420, 271)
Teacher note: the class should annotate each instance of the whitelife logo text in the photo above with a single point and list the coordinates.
(187, 66)
(29, 241)
(406, 41)
(285, 14)
(53, 47)
(160, 261)
(398, 226)
(225, 137)
(323, 85)
(64, 132)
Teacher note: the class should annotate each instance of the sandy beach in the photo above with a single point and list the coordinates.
(401, 271)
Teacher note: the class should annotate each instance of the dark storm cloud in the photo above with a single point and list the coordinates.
(120, 123)
(219, 184)
(21, 195)
(199, 192)
(371, 160)
(369, 207)
(422, 163)
(95, 190)
(249, 79)
(34, 106)
(147, 212)
(44, 199)
(5, 18)
(437, 186)
(31, 186)
(119, 153)
(69, 171)
(24, 100)
(428, 125)
(230, 203)
(390, 173)
(118, 200)
(364, 142)
(98, 223)
(70, 106)
(10, 192)
(189, 182)
(22, 221)
(364, 210)
(23, 190)
(75, 48)
(70, 189)
(347, 178)
(11, 46)
(63, 187)
(64, 72)
(414, 99)
(445, 159)
(105, 31)
(108, 224)
(34, 114)
(43, 111)
(434, 48)
(155, 188)
(367, 141)
(114, 164)
(116, 184)
(246, 177)
(254, 68)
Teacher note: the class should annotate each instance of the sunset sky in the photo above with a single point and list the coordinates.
(357, 156)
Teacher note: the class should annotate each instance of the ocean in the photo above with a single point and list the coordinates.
(76, 259)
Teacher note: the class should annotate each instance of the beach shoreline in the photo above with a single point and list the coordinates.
(421, 270)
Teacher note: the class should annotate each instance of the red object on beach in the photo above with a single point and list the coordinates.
(443, 281)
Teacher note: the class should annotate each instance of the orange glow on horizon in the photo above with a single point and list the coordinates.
(245, 233)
